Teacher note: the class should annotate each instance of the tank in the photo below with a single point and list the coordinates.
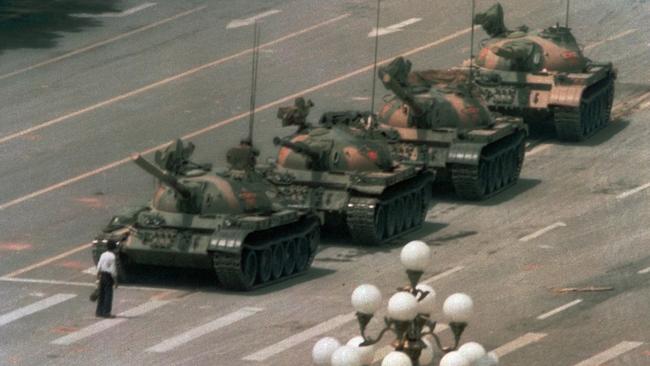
(232, 221)
(443, 123)
(543, 75)
(349, 175)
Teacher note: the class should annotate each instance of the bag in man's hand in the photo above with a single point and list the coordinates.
(94, 295)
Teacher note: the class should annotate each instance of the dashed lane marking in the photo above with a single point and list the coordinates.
(108, 323)
(301, 337)
(538, 149)
(47, 261)
(248, 21)
(610, 354)
(633, 191)
(120, 14)
(221, 123)
(79, 284)
(384, 351)
(443, 274)
(559, 309)
(644, 271)
(102, 43)
(164, 81)
(543, 231)
(393, 28)
(612, 38)
(204, 329)
(35, 307)
(518, 343)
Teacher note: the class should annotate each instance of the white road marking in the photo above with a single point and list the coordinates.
(80, 284)
(614, 37)
(443, 274)
(393, 28)
(610, 354)
(90, 270)
(33, 308)
(538, 149)
(633, 191)
(48, 260)
(108, 323)
(204, 329)
(543, 231)
(248, 21)
(384, 351)
(361, 98)
(213, 126)
(518, 343)
(301, 337)
(559, 309)
(120, 14)
(644, 271)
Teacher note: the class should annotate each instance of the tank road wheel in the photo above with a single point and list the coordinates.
(419, 208)
(265, 265)
(290, 252)
(399, 212)
(277, 261)
(314, 240)
(391, 221)
(410, 212)
(248, 269)
(242, 278)
(303, 252)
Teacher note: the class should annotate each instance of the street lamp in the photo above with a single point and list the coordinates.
(409, 319)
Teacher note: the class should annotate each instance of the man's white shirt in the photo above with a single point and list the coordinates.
(106, 263)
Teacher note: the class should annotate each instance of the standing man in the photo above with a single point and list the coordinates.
(107, 276)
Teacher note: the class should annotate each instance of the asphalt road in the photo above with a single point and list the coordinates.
(80, 94)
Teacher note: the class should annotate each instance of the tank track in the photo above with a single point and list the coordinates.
(374, 220)
(595, 109)
(294, 249)
(500, 162)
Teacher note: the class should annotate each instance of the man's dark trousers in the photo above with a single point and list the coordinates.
(105, 299)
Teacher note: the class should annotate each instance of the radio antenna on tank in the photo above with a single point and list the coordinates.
(471, 50)
(374, 67)
(255, 62)
(568, 6)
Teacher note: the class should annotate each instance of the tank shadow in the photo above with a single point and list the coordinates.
(440, 241)
(205, 281)
(446, 194)
(612, 129)
(38, 24)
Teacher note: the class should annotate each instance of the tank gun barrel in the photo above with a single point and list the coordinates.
(299, 147)
(166, 178)
(391, 83)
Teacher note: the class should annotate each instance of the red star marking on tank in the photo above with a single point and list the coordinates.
(249, 198)
(372, 155)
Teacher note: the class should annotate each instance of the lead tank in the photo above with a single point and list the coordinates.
(543, 75)
(443, 123)
(232, 221)
(348, 174)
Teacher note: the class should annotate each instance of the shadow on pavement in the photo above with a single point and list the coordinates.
(39, 23)
(445, 194)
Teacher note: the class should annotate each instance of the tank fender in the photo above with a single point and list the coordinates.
(566, 95)
(228, 241)
(467, 153)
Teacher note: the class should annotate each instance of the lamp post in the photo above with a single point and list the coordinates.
(409, 320)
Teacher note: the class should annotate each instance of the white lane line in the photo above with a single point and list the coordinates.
(384, 351)
(644, 271)
(48, 260)
(90, 270)
(204, 329)
(559, 309)
(301, 337)
(35, 307)
(538, 149)
(80, 284)
(610, 354)
(543, 231)
(612, 38)
(393, 28)
(248, 21)
(443, 274)
(518, 343)
(633, 191)
(120, 14)
(108, 323)
(102, 43)
(213, 126)
(165, 81)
